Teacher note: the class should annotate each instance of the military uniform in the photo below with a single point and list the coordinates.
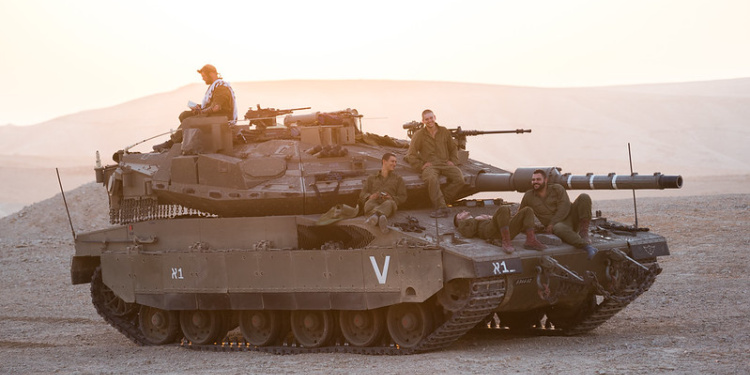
(489, 229)
(555, 209)
(393, 184)
(437, 151)
(221, 95)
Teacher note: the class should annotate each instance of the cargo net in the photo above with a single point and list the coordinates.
(142, 209)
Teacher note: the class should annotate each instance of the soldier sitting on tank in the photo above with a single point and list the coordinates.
(552, 206)
(501, 225)
(433, 152)
(382, 193)
(218, 101)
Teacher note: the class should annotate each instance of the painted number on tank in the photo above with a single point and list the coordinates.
(382, 276)
(177, 273)
(498, 267)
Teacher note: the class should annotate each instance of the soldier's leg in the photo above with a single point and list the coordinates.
(370, 206)
(522, 221)
(430, 176)
(564, 230)
(501, 220)
(455, 182)
(580, 215)
(387, 208)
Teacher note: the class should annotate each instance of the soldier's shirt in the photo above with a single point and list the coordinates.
(424, 148)
(393, 185)
(551, 209)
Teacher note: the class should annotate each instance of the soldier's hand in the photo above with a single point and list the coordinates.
(548, 229)
(428, 164)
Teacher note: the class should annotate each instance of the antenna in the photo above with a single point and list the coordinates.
(66, 204)
(635, 206)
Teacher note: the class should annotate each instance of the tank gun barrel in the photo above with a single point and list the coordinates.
(520, 180)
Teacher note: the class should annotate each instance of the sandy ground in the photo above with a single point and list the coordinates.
(694, 320)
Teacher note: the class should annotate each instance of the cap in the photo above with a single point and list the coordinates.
(208, 68)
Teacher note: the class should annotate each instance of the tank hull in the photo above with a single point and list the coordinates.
(237, 265)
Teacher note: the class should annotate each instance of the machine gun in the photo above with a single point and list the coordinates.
(266, 117)
(458, 134)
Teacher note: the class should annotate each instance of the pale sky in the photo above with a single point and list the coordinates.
(60, 57)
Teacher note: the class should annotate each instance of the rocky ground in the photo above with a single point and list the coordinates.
(695, 319)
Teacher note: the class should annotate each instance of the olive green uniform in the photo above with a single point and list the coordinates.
(221, 96)
(555, 209)
(437, 151)
(489, 229)
(393, 185)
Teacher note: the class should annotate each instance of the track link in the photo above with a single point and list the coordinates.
(485, 295)
(126, 323)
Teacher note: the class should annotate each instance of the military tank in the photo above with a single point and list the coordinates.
(221, 233)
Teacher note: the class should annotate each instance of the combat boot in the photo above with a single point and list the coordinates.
(531, 242)
(583, 230)
(507, 246)
(591, 251)
(383, 224)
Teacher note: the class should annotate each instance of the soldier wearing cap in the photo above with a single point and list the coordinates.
(218, 101)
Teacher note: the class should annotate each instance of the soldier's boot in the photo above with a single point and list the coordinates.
(591, 251)
(372, 220)
(383, 224)
(507, 245)
(583, 230)
(161, 147)
(531, 242)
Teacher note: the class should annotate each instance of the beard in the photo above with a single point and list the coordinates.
(538, 187)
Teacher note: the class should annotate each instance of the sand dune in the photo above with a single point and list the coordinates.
(694, 129)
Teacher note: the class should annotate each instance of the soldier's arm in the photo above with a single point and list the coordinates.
(413, 157)
(400, 191)
(562, 206)
(366, 191)
(221, 99)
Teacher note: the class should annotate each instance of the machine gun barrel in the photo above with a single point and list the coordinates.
(460, 132)
(520, 181)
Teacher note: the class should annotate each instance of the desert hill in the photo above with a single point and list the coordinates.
(696, 129)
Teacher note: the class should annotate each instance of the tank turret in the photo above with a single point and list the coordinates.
(219, 243)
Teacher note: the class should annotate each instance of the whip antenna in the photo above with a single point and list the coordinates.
(635, 206)
(66, 204)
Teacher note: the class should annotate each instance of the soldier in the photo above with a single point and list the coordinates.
(552, 206)
(500, 224)
(218, 101)
(382, 193)
(433, 152)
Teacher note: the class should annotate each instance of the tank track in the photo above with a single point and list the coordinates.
(589, 320)
(126, 323)
(485, 295)
(615, 302)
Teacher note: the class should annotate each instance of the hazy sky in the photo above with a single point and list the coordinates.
(60, 57)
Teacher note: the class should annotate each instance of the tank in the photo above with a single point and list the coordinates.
(219, 243)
